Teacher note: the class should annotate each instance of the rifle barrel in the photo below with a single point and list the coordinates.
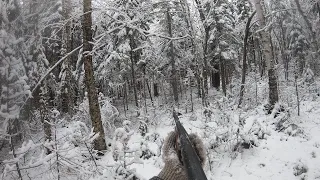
(190, 158)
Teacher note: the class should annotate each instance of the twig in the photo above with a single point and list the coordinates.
(93, 159)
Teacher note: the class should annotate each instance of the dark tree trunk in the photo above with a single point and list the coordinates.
(145, 93)
(134, 84)
(198, 85)
(127, 92)
(173, 66)
(149, 91)
(216, 76)
(205, 48)
(223, 75)
(244, 58)
(155, 90)
(67, 98)
(94, 108)
(124, 99)
(191, 98)
(273, 87)
(205, 62)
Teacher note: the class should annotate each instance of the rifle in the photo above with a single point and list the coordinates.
(190, 159)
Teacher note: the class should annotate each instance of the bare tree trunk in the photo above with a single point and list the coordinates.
(56, 149)
(244, 58)
(67, 103)
(155, 89)
(314, 42)
(13, 133)
(265, 38)
(198, 85)
(149, 91)
(216, 76)
(164, 93)
(94, 108)
(308, 23)
(173, 66)
(205, 51)
(223, 75)
(44, 102)
(191, 94)
(124, 99)
(205, 62)
(134, 83)
(126, 85)
(297, 92)
(145, 93)
(192, 33)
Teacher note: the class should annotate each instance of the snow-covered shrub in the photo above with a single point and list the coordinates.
(300, 168)
(152, 137)
(71, 153)
(249, 135)
(124, 173)
(146, 152)
(157, 140)
(281, 116)
(122, 153)
(143, 128)
(193, 117)
(120, 141)
(293, 130)
(82, 112)
(255, 90)
(308, 76)
(109, 113)
(75, 132)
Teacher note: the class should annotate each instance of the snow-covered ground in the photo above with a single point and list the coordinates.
(292, 153)
(279, 156)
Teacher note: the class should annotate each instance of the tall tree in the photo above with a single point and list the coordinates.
(172, 61)
(312, 34)
(66, 74)
(244, 57)
(94, 108)
(174, 48)
(206, 25)
(267, 51)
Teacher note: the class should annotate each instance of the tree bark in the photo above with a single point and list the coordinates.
(149, 91)
(315, 42)
(244, 58)
(44, 102)
(267, 51)
(67, 103)
(134, 83)
(205, 47)
(155, 90)
(223, 75)
(173, 64)
(94, 108)
(216, 76)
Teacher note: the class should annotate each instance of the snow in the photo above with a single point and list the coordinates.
(275, 158)
(285, 155)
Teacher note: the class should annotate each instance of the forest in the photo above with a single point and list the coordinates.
(89, 87)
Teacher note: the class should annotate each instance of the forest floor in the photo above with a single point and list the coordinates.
(292, 153)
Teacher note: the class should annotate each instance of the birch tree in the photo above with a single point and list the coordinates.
(267, 51)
